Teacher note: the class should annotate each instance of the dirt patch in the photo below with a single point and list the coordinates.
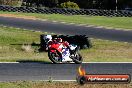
(18, 16)
(38, 84)
(75, 85)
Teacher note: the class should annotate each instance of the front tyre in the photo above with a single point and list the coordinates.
(78, 58)
(55, 57)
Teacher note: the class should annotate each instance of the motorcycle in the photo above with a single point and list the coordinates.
(58, 53)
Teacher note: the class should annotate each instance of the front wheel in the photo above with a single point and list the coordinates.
(78, 58)
(55, 57)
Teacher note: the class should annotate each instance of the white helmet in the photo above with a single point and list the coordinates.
(48, 37)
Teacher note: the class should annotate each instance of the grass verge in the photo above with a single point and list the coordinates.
(16, 45)
(25, 84)
(112, 22)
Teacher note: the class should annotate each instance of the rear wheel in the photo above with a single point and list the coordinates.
(55, 57)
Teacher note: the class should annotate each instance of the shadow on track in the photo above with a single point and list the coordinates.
(40, 62)
(34, 61)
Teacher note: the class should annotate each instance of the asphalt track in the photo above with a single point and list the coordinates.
(42, 71)
(60, 28)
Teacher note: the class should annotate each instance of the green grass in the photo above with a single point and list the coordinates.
(41, 84)
(14, 43)
(108, 51)
(114, 22)
(11, 42)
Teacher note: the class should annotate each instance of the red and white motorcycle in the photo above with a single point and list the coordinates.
(59, 53)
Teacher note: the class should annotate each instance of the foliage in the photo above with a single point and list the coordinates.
(10, 2)
(70, 5)
(87, 4)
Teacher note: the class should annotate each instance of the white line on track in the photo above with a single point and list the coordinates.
(99, 27)
(86, 25)
(54, 21)
(108, 27)
(44, 20)
(63, 22)
(71, 23)
(107, 62)
(90, 26)
(73, 62)
(61, 80)
(9, 62)
(82, 25)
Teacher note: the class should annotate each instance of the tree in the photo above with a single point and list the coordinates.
(10, 2)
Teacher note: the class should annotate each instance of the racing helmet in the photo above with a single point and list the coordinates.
(59, 39)
(48, 38)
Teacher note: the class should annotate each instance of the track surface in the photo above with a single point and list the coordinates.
(42, 71)
(48, 26)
